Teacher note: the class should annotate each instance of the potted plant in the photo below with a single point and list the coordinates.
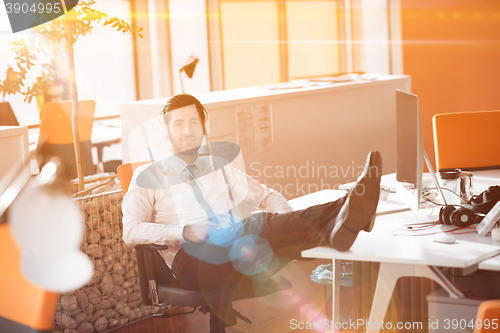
(41, 49)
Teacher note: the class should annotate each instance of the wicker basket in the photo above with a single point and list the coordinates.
(112, 297)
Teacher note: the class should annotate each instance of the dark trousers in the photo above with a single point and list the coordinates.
(254, 249)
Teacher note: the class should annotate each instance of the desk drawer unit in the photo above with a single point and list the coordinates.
(448, 314)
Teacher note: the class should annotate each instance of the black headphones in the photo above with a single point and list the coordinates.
(458, 216)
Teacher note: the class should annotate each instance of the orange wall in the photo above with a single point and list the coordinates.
(451, 49)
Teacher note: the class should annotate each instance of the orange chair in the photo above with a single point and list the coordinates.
(467, 140)
(7, 116)
(23, 306)
(125, 172)
(56, 125)
(488, 317)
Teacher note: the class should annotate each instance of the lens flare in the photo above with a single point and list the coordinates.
(251, 255)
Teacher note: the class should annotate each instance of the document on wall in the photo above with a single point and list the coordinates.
(264, 128)
(245, 129)
(222, 127)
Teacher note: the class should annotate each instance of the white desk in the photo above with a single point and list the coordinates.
(484, 179)
(101, 133)
(492, 264)
(405, 255)
(104, 134)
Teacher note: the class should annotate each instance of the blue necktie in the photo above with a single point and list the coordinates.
(201, 200)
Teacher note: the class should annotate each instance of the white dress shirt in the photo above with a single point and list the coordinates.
(160, 200)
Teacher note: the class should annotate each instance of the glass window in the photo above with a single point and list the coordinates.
(250, 43)
(104, 62)
(313, 38)
(24, 112)
(188, 29)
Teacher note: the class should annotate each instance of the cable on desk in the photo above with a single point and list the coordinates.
(447, 189)
(422, 226)
(430, 226)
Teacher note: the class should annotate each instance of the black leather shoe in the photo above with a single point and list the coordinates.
(222, 316)
(358, 212)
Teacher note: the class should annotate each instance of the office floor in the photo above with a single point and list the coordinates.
(305, 302)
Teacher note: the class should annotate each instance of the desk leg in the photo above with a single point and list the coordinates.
(388, 276)
(435, 274)
(337, 269)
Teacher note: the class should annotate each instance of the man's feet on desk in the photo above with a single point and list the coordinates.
(359, 210)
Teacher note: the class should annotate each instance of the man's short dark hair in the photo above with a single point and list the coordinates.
(180, 101)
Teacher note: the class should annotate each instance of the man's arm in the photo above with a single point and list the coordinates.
(138, 228)
(275, 202)
(247, 189)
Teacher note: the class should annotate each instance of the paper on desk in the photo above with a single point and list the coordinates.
(392, 205)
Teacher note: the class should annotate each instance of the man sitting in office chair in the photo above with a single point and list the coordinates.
(185, 203)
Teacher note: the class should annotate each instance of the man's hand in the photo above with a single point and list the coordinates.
(198, 232)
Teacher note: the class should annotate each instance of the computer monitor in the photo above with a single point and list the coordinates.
(410, 153)
(409, 149)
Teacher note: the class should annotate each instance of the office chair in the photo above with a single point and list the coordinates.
(467, 140)
(56, 125)
(160, 287)
(486, 313)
